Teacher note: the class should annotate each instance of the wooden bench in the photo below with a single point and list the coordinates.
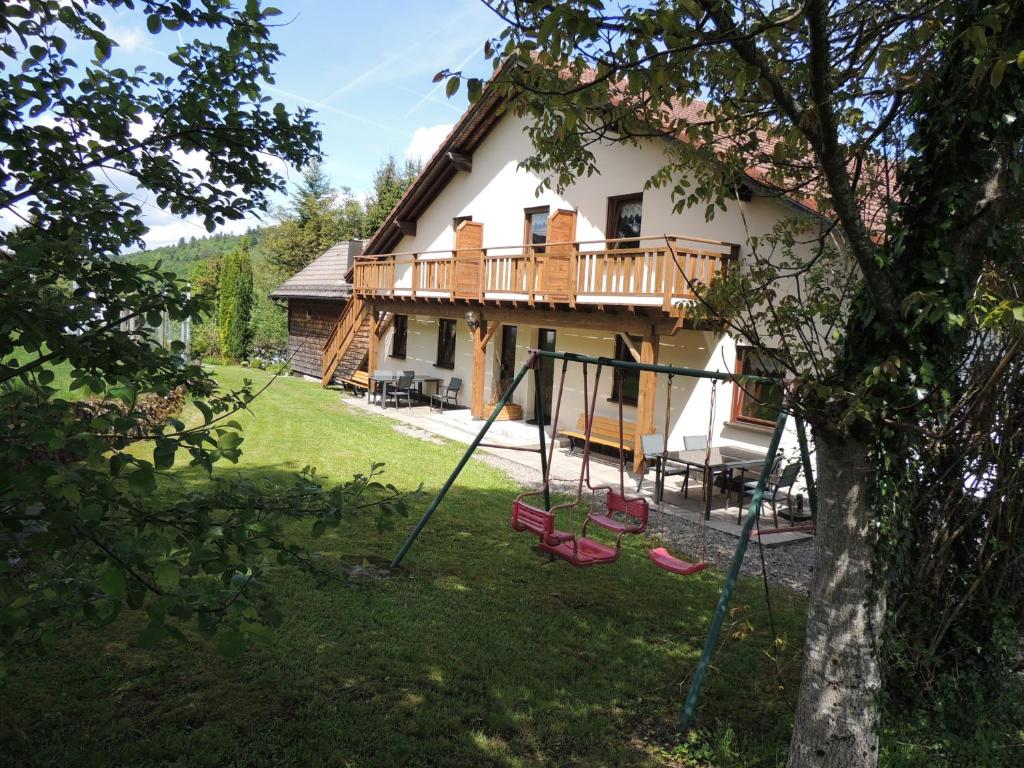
(604, 431)
(358, 380)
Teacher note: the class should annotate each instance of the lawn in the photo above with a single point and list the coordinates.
(479, 652)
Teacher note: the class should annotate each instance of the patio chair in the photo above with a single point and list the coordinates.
(401, 388)
(773, 488)
(450, 396)
(692, 443)
(654, 447)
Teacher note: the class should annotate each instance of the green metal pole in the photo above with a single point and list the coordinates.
(805, 458)
(462, 463)
(730, 580)
(538, 413)
(625, 365)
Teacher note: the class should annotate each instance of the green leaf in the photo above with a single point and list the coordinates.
(112, 581)
(452, 87)
(231, 643)
(142, 481)
(151, 636)
(1018, 313)
(204, 409)
(154, 23)
(229, 441)
(167, 576)
(163, 454)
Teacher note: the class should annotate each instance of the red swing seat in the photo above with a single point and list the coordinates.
(634, 509)
(580, 552)
(667, 562)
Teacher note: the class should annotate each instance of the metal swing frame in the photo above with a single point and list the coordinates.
(732, 575)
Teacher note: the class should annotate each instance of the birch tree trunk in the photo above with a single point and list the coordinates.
(837, 713)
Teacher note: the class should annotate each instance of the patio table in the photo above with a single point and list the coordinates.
(720, 461)
(392, 376)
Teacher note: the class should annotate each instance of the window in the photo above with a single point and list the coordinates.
(400, 336)
(624, 219)
(507, 360)
(536, 234)
(625, 384)
(458, 220)
(757, 403)
(445, 343)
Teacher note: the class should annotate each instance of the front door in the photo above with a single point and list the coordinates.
(546, 342)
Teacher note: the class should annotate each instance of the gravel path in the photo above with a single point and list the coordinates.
(789, 565)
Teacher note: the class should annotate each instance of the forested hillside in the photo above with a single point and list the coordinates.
(180, 257)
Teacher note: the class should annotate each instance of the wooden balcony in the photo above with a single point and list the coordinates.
(651, 271)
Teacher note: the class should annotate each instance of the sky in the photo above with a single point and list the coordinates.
(366, 70)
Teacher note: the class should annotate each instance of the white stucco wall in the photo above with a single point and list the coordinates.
(497, 190)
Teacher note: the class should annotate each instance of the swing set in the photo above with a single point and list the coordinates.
(619, 513)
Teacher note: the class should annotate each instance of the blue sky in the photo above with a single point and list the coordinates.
(364, 67)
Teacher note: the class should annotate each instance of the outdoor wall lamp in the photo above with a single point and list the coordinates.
(472, 320)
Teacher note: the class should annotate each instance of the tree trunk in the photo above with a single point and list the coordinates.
(837, 713)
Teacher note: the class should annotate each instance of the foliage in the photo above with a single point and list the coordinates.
(83, 535)
(268, 324)
(182, 257)
(389, 184)
(314, 221)
(234, 303)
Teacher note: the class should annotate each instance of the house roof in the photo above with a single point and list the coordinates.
(324, 277)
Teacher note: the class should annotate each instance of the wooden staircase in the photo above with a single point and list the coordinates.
(347, 346)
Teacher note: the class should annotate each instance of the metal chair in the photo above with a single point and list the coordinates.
(692, 443)
(777, 482)
(653, 447)
(450, 396)
(402, 387)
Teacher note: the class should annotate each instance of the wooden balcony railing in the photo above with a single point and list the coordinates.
(645, 271)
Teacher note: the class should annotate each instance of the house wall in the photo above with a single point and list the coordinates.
(310, 323)
(691, 398)
(497, 190)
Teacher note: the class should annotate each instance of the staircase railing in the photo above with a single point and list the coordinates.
(341, 337)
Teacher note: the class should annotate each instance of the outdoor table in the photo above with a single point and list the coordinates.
(392, 376)
(720, 461)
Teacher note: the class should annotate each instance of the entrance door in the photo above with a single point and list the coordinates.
(546, 342)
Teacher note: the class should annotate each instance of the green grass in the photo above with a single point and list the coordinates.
(480, 652)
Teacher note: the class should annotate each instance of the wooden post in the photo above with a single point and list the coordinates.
(482, 336)
(374, 343)
(646, 396)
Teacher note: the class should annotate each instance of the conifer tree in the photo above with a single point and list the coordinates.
(234, 303)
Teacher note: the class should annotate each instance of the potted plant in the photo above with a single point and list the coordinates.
(511, 411)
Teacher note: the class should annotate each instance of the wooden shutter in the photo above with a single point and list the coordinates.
(469, 260)
(558, 282)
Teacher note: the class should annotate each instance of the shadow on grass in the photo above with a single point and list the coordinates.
(479, 651)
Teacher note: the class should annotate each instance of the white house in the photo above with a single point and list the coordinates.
(475, 266)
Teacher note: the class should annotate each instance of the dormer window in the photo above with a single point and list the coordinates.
(625, 217)
(536, 235)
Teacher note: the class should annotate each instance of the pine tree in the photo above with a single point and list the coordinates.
(389, 184)
(316, 218)
(234, 302)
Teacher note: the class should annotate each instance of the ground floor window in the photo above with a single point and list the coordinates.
(445, 343)
(400, 337)
(625, 384)
(757, 403)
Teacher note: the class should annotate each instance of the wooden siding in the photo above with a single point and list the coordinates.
(310, 323)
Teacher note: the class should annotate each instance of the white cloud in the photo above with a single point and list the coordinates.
(426, 140)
